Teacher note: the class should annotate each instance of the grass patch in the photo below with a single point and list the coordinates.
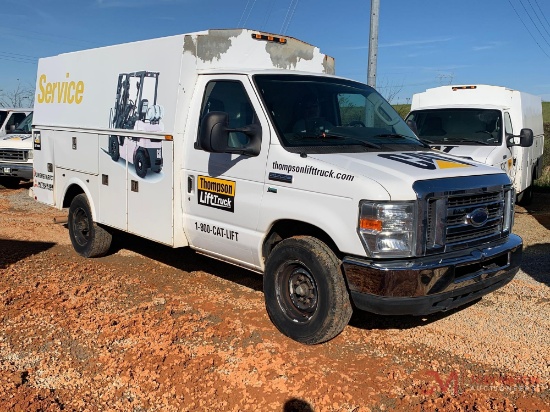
(546, 112)
(543, 182)
(404, 109)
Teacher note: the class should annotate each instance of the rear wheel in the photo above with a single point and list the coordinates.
(525, 198)
(88, 238)
(305, 293)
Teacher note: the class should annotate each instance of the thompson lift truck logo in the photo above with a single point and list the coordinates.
(216, 193)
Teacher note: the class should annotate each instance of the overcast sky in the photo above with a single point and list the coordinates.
(422, 43)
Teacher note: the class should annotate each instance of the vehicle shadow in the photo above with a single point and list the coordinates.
(185, 259)
(536, 262)
(370, 321)
(540, 208)
(16, 250)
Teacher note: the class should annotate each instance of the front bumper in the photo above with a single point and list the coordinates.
(23, 171)
(432, 284)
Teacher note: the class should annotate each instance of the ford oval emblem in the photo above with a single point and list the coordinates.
(477, 217)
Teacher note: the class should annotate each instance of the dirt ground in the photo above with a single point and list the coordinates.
(149, 328)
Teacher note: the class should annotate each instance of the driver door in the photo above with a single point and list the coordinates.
(223, 191)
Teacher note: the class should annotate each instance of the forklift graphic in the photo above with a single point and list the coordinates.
(137, 114)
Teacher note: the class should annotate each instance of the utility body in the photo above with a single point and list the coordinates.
(490, 124)
(268, 161)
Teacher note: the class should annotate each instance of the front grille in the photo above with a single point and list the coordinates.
(14, 155)
(448, 226)
(458, 230)
(449, 215)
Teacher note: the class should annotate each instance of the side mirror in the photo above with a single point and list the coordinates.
(525, 138)
(214, 135)
(412, 124)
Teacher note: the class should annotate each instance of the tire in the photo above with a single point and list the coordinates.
(114, 149)
(88, 238)
(141, 163)
(10, 182)
(305, 292)
(525, 198)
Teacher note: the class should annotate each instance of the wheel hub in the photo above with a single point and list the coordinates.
(302, 290)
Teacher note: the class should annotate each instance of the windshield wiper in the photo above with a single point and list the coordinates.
(471, 141)
(329, 135)
(392, 135)
(402, 136)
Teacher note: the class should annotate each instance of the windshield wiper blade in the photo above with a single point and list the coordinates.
(328, 135)
(472, 141)
(402, 136)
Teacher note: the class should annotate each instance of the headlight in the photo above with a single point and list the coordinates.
(387, 229)
(30, 154)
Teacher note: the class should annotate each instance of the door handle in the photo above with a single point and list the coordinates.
(190, 184)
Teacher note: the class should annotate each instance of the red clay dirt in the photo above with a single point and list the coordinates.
(149, 328)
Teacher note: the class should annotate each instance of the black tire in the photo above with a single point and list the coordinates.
(10, 182)
(525, 198)
(114, 149)
(305, 292)
(141, 163)
(88, 238)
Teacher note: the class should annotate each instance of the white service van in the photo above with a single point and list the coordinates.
(267, 160)
(15, 146)
(490, 124)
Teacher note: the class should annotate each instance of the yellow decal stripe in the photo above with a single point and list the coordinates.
(444, 164)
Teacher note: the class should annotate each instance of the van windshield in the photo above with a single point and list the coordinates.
(317, 114)
(459, 126)
(25, 125)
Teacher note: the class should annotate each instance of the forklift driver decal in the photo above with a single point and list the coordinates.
(216, 193)
(428, 161)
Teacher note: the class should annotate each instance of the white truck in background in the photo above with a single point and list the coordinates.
(489, 124)
(268, 161)
(15, 146)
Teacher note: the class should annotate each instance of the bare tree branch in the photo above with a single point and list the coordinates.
(20, 96)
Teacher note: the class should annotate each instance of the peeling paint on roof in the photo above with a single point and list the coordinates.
(215, 44)
(211, 47)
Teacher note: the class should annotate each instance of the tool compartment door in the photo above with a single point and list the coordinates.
(150, 188)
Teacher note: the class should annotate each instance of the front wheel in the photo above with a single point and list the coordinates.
(305, 293)
(88, 239)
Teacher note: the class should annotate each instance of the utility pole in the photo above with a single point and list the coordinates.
(373, 42)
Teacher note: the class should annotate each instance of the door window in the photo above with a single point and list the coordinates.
(229, 97)
(508, 124)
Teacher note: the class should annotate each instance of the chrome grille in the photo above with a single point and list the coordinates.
(445, 203)
(455, 230)
(13, 155)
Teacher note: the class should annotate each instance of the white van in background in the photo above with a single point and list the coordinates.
(15, 146)
(489, 124)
